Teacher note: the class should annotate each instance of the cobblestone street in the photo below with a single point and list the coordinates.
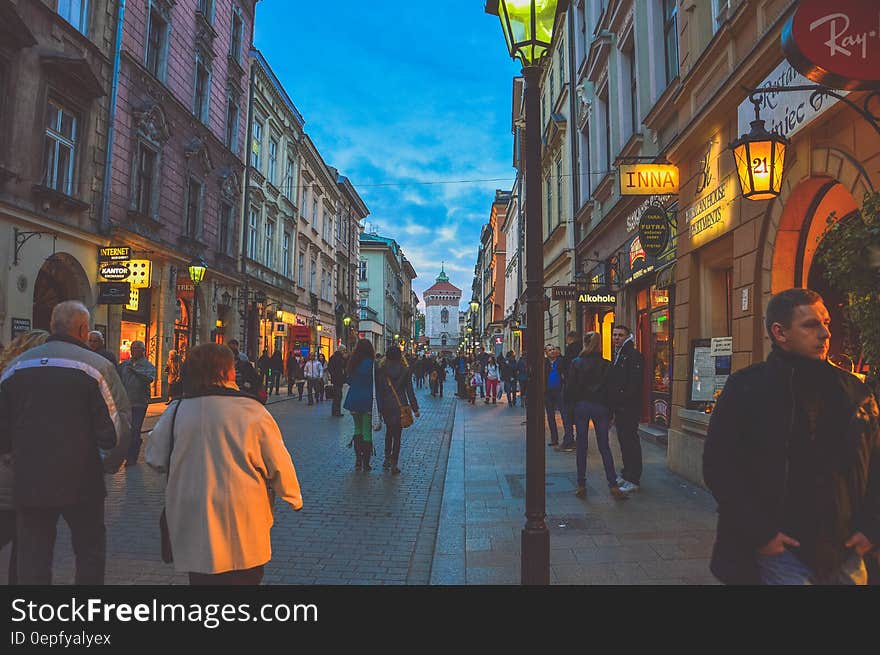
(354, 528)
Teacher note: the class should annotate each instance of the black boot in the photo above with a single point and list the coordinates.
(367, 453)
(358, 456)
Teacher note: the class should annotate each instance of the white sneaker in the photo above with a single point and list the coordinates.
(620, 481)
(627, 487)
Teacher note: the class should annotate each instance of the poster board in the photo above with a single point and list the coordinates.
(708, 372)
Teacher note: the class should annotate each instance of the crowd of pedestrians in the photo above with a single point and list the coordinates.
(792, 454)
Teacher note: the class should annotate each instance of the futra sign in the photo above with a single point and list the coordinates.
(836, 44)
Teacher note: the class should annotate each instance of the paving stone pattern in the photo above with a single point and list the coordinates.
(662, 535)
(355, 528)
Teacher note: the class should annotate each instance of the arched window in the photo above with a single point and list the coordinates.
(444, 316)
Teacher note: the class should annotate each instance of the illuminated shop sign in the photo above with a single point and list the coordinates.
(648, 179)
(114, 272)
(114, 254)
(709, 216)
(597, 299)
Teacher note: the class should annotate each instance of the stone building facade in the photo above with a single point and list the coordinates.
(56, 73)
(178, 164)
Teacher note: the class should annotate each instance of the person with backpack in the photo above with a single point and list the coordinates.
(588, 378)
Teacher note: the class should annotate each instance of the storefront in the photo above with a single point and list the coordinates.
(648, 302)
(635, 289)
(184, 299)
(735, 253)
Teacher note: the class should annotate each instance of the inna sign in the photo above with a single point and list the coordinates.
(648, 179)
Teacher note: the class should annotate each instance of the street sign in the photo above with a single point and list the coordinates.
(648, 179)
(564, 293)
(836, 44)
(114, 293)
(20, 325)
(720, 346)
(115, 271)
(114, 254)
(654, 230)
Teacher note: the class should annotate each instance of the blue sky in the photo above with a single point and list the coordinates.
(398, 92)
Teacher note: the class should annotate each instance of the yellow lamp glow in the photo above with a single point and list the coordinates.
(760, 161)
(197, 268)
(527, 26)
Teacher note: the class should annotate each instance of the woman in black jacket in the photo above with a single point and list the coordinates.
(587, 380)
(393, 389)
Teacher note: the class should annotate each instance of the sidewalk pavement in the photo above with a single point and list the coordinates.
(662, 535)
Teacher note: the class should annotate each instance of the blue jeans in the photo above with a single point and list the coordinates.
(552, 403)
(137, 422)
(584, 412)
(786, 569)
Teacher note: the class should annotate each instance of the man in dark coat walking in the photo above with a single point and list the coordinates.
(336, 367)
(66, 419)
(625, 400)
(793, 459)
(276, 368)
(573, 346)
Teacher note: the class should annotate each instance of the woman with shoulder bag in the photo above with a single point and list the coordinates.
(394, 395)
(588, 381)
(359, 401)
(224, 455)
(21, 344)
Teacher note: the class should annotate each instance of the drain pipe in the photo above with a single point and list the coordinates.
(104, 218)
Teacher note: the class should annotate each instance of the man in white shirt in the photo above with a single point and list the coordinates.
(314, 372)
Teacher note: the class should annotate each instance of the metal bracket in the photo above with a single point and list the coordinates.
(819, 92)
(22, 238)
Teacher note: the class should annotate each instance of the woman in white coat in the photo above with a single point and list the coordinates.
(225, 453)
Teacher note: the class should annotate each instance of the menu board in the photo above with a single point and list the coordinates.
(709, 372)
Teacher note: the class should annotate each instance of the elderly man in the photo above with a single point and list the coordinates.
(62, 410)
(137, 375)
(96, 343)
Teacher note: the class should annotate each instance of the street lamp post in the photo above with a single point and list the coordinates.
(197, 268)
(528, 29)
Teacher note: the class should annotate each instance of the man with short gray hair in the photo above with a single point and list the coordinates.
(96, 343)
(62, 411)
(137, 375)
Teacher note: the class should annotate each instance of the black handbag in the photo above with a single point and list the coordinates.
(167, 555)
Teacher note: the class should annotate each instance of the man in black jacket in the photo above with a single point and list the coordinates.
(336, 368)
(65, 417)
(625, 399)
(793, 459)
(573, 346)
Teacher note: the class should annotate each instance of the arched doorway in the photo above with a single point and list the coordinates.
(805, 217)
(60, 278)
